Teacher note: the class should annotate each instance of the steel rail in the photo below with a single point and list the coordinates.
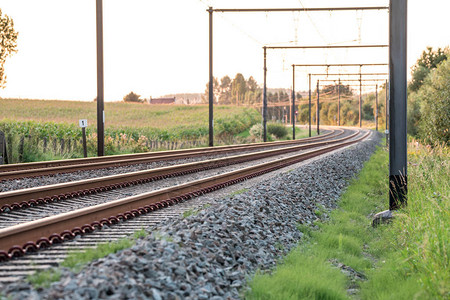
(14, 171)
(19, 239)
(45, 194)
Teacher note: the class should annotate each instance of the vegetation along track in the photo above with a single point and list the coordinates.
(17, 171)
(31, 236)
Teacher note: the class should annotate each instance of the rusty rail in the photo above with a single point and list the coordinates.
(45, 194)
(31, 236)
(15, 171)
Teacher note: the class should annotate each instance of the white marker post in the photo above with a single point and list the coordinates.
(83, 124)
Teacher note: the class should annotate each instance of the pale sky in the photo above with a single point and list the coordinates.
(159, 47)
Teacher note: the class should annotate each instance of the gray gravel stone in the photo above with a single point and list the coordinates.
(211, 255)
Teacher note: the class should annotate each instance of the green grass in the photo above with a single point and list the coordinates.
(77, 259)
(238, 192)
(414, 252)
(300, 132)
(117, 114)
(43, 279)
(408, 259)
(194, 212)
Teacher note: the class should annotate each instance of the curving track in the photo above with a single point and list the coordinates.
(25, 231)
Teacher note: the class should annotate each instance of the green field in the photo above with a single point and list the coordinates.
(39, 130)
(117, 114)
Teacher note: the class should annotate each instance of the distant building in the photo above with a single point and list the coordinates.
(167, 100)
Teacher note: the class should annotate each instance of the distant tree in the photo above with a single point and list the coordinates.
(8, 38)
(229, 91)
(434, 99)
(225, 90)
(428, 61)
(132, 97)
(367, 109)
(216, 92)
(334, 89)
(251, 84)
(238, 88)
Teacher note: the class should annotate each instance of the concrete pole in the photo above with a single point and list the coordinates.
(317, 109)
(360, 99)
(100, 91)
(211, 80)
(265, 98)
(376, 107)
(339, 102)
(397, 104)
(293, 102)
(386, 114)
(309, 111)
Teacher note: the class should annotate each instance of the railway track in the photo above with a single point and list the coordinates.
(82, 227)
(45, 194)
(17, 171)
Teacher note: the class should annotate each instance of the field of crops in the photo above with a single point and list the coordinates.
(129, 127)
(117, 114)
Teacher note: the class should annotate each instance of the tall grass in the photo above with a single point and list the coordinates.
(307, 272)
(416, 248)
(408, 259)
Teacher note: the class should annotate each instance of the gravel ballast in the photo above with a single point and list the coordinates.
(210, 255)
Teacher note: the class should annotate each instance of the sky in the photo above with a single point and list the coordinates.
(154, 48)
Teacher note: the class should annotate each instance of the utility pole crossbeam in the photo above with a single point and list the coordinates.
(100, 92)
(349, 74)
(328, 47)
(357, 85)
(341, 65)
(211, 80)
(397, 104)
(310, 9)
(350, 80)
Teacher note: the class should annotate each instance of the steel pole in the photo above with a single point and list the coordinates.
(293, 102)
(376, 107)
(339, 102)
(360, 100)
(386, 113)
(100, 92)
(211, 80)
(397, 104)
(317, 109)
(309, 110)
(265, 98)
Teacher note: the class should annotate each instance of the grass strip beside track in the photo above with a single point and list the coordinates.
(77, 259)
(408, 259)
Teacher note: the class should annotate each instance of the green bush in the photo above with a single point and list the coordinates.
(367, 109)
(257, 131)
(132, 97)
(434, 124)
(278, 130)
